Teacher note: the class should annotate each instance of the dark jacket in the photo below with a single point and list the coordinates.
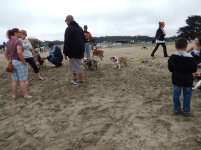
(159, 35)
(182, 68)
(74, 41)
(58, 53)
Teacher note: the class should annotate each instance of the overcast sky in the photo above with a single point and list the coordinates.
(44, 19)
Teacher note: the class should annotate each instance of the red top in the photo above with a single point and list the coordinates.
(87, 36)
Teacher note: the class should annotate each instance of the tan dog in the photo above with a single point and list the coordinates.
(98, 53)
(119, 61)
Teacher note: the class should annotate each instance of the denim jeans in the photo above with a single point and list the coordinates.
(187, 92)
(87, 50)
(54, 60)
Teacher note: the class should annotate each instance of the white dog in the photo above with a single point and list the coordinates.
(197, 86)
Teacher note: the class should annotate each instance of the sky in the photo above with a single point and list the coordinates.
(44, 19)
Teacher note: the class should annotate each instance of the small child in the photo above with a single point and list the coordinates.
(182, 65)
(195, 50)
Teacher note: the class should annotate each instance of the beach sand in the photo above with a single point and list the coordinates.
(126, 109)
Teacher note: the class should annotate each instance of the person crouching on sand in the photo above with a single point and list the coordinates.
(55, 55)
(182, 65)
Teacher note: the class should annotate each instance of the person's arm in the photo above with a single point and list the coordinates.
(190, 49)
(33, 51)
(90, 37)
(157, 34)
(170, 65)
(29, 46)
(20, 53)
(57, 51)
(6, 54)
(67, 36)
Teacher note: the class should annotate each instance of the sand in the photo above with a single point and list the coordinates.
(126, 109)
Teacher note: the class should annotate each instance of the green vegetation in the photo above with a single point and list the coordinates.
(192, 29)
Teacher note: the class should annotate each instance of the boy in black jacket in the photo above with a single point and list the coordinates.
(182, 65)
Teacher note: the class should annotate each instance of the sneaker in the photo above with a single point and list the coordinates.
(41, 78)
(177, 112)
(59, 65)
(74, 81)
(187, 114)
(79, 82)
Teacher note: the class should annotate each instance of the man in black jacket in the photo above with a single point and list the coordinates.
(74, 43)
(182, 65)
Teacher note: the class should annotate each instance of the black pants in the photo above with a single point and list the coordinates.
(156, 47)
(32, 63)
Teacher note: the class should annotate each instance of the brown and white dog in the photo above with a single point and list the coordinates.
(119, 61)
(98, 53)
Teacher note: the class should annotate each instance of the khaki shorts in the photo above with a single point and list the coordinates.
(76, 65)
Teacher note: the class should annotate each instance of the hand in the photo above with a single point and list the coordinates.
(24, 62)
(196, 74)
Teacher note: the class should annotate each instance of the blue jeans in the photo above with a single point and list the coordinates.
(87, 50)
(187, 93)
(54, 60)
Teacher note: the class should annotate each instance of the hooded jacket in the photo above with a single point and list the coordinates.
(159, 34)
(182, 66)
(74, 41)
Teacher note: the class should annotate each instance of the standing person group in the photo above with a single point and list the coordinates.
(159, 39)
(74, 44)
(88, 38)
(14, 51)
(182, 65)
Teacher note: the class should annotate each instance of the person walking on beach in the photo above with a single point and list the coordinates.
(182, 65)
(88, 38)
(55, 55)
(74, 43)
(28, 50)
(160, 34)
(14, 52)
